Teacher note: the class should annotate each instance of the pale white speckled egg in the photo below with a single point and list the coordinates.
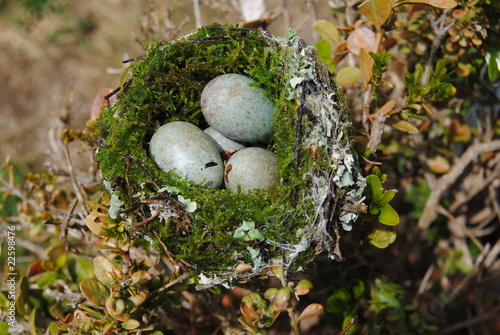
(221, 142)
(237, 110)
(251, 168)
(184, 148)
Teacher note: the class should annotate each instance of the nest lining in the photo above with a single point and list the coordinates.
(298, 219)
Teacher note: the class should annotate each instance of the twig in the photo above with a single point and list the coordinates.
(76, 186)
(440, 30)
(376, 132)
(470, 321)
(197, 13)
(467, 281)
(176, 281)
(293, 320)
(349, 325)
(492, 255)
(429, 213)
(425, 280)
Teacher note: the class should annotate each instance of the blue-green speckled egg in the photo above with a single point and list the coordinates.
(184, 148)
(237, 110)
(251, 168)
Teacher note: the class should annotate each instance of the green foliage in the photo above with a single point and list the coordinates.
(260, 312)
(378, 202)
(377, 303)
(437, 89)
(379, 65)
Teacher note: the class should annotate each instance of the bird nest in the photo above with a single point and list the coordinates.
(220, 236)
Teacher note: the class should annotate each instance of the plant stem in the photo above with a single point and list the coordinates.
(439, 29)
(293, 320)
(375, 131)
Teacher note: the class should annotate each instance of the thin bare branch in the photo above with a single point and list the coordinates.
(430, 213)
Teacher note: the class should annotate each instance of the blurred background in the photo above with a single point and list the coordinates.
(55, 55)
(441, 273)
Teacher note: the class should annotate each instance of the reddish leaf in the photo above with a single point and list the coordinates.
(140, 277)
(340, 52)
(103, 269)
(94, 225)
(99, 102)
(248, 311)
(442, 4)
(387, 107)
(361, 37)
(35, 268)
(310, 312)
(303, 287)
(438, 164)
(282, 298)
(366, 66)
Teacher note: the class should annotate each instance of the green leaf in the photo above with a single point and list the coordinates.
(337, 301)
(404, 126)
(48, 278)
(256, 235)
(440, 72)
(358, 288)
(374, 209)
(379, 235)
(131, 324)
(327, 30)
(385, 198)
(324, 49)
(419, 71)
(95, 292)
(374, 188)
(80, 267)
(388, 215)
(376, 11)
(348, 75)
(492, 66)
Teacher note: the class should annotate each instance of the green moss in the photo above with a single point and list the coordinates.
(166, 86)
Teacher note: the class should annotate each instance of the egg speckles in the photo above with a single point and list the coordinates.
(183, 148)
(251, 168)
(237, 110)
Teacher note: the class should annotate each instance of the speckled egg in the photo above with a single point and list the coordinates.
(237, 110)
(184, 148)
(251, 168)
(221, 142)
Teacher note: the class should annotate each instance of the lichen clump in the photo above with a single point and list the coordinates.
(211, 231)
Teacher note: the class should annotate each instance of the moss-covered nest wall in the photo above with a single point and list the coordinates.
(211, 231)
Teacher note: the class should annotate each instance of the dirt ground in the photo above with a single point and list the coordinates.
(58, 59)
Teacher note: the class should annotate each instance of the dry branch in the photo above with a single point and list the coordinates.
(430, 212)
